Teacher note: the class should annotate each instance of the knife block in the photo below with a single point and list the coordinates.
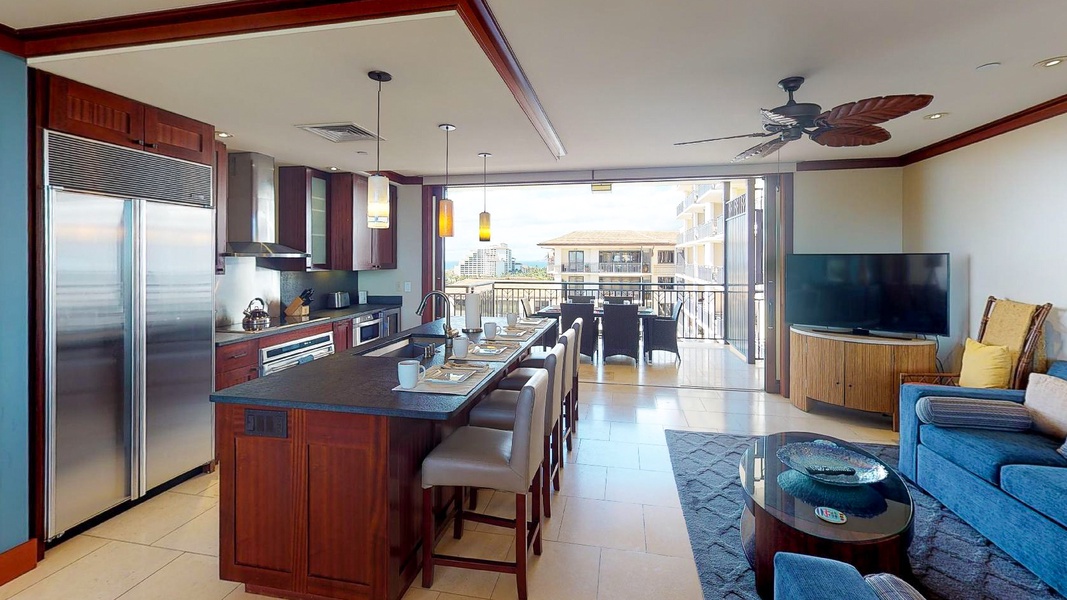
(296, 308)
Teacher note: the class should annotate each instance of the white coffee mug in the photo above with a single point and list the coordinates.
(460, 346)
(410, 373)
(513, 319)
(490, 330)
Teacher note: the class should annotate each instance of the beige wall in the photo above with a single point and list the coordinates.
(847, 211)
(1000, 208)
(409, 258)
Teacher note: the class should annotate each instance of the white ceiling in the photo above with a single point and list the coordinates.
(620, 80)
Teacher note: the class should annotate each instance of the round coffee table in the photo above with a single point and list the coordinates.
(779, 514)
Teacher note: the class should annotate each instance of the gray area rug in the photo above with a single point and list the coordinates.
(950, 560)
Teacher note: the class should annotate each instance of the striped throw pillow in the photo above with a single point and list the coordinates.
(891, 587)
(968, 412)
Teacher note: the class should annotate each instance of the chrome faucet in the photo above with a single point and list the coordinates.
(449, 332)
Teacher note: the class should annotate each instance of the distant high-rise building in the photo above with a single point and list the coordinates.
(493, 261)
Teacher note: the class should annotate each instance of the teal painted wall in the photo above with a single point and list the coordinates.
(14, 344)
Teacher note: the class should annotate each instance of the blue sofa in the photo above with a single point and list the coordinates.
(1010, 486)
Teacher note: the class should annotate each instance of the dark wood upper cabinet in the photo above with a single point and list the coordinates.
(222, 180)
(385, 239)
(86, 111)
(96, 114)
(177, 136)
(373, 249)
(302, 214)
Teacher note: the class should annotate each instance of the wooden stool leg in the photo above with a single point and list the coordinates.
(571, 418)
(457, 530)
(558, 450)
(427, 537)
(473, 502)
(520, 545)
(546, 490)
(539, 482)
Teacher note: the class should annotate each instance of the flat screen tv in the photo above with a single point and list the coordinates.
(899, 293)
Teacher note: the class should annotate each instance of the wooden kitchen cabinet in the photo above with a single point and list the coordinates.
(97, 114)
(859, 372)
(303, 215)
(236, 363)
(353, 245)
(342, 335)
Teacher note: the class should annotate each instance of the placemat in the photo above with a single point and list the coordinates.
(509, 349)
(461, 388)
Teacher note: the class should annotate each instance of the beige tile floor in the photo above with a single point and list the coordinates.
(617, 531)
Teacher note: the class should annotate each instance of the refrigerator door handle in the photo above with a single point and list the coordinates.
(137, 412)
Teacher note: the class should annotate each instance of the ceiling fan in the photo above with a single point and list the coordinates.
(851, 124)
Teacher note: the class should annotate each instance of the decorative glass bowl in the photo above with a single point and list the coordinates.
(825, 461)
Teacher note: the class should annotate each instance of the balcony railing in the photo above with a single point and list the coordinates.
(604, 267)
(701, 318)
(705, 273)
(702, 231)
(694, 196)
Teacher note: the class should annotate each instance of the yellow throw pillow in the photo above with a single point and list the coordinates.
(985, 366)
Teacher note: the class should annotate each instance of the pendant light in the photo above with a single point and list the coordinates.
(378, 184)
(444, 207)
(483, 218)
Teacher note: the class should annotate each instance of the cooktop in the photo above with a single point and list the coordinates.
(275, 323)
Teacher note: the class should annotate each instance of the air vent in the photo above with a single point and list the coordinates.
(341, 132)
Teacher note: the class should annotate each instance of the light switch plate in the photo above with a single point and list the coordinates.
(407, 286)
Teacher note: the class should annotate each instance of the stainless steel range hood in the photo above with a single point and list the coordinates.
(251, 209)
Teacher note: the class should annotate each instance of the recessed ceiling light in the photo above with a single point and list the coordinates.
(987, 66)
(332, 168)
(1051, 62)
(223, 134)
(935, 116)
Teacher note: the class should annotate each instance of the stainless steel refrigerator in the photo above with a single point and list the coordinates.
(130, 315)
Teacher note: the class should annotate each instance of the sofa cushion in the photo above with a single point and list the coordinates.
(1046, 398)
(1041, 488)
(891, 587)
(971, 412)
(983, 451)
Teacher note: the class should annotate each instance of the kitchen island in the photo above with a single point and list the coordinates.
(320, 493)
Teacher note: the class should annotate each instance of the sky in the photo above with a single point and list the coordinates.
(523, 216)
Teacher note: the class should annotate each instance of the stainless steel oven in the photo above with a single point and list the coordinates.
(296, 352)
(368, 328)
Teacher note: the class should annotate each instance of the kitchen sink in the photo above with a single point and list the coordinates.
(410, 347)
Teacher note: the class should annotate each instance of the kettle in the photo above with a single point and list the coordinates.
(256, 318)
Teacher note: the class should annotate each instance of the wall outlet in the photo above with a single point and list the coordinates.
(407, 286)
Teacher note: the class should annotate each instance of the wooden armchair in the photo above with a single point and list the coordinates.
(1004, 323)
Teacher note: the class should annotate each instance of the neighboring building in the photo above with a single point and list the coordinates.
(493, 261)
(606, 257)
(700, 237)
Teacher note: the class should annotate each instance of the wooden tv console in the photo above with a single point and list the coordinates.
(854, 371)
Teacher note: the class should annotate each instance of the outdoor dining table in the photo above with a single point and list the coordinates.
(552, 311)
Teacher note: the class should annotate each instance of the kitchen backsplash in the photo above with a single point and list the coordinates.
(242, 282)
(323, 282)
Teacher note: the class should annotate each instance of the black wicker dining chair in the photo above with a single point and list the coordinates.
(622, 331)
(661, 333)
(569, 311)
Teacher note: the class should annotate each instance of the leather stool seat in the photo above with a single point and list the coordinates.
(497, 410)
(475, 457)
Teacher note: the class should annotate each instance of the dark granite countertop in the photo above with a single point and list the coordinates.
(320, 317)
(349, 382)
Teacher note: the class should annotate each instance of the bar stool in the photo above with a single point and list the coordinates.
(570, 390)
(509, 461)
(498, 412)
